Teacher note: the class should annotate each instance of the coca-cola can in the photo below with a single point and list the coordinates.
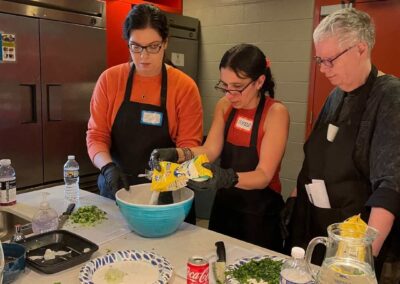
(197, 270)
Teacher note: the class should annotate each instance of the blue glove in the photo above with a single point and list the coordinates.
(163, 154)
(222, 178)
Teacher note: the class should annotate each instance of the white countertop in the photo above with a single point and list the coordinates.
(188, 241)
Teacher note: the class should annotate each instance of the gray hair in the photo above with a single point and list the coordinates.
(347, 25)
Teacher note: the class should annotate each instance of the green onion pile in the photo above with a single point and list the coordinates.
(266, 270)
(88, 215)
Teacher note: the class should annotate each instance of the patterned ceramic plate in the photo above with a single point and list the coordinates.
(127, 266)
(231, 280)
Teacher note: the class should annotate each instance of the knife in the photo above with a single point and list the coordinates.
(220, 265)
(64, 217)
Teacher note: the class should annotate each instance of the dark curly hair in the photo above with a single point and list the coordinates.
(143, 16)
(248, 59)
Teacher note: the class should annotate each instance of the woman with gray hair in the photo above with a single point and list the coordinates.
(355, 144)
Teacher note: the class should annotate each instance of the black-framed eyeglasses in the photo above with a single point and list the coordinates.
(152, 48)
(329, 62)
(225, 91)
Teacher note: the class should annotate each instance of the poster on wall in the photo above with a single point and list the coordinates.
(7, 47)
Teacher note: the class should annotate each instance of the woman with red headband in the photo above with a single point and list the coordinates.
(248, 134)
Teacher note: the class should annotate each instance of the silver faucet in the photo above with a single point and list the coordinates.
(19, 235)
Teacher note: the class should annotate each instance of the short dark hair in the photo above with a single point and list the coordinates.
(143, 16)
(250, 61)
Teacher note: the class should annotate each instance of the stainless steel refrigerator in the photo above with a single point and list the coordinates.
(46, 82)
(183, 43)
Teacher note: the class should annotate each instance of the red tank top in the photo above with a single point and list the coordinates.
(240, 136)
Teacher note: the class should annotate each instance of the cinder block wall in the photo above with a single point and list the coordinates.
(283, 30)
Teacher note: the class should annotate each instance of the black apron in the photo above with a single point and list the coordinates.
(132, 141)
(248, 215)
(333, 162)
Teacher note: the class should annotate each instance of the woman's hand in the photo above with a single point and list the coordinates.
(163, 154)
(382, 220)
(114, 178)
(222, 178)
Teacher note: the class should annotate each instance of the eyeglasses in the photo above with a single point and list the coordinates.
(329, 62)
(224, 91)
(152, 48)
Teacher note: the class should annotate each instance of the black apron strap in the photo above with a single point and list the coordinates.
(128, 87)
(229, 122)
(257, 119)
(164, 87)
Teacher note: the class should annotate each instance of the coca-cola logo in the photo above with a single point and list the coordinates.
(199, 277)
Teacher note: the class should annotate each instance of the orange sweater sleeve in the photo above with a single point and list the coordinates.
(184, 111)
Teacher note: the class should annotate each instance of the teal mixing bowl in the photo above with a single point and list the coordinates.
(153, 221)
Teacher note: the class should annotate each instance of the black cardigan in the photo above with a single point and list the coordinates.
(377, 149)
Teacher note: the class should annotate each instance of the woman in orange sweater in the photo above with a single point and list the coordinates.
(249, 134)
(141, 105)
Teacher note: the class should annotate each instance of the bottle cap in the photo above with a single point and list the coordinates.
(297, 252)
(71, 157)
(5, 162)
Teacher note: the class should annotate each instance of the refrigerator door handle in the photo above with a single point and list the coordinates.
(54, 103)
(29, 106)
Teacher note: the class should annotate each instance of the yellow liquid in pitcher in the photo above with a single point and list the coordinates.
(341, 271)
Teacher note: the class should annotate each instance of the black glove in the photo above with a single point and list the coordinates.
(114, 178)
(286, 216)
(163, 154)
(222, 178)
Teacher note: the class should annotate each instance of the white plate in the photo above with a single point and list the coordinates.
(240, 262)
(154, 269)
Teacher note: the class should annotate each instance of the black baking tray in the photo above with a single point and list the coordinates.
(81, 250)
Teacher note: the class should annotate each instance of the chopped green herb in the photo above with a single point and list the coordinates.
(266, 270)
(88, 215)
(57, 283)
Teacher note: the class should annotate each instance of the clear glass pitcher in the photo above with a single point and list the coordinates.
(348, 257)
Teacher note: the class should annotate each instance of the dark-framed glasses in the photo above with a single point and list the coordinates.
(329, 61)
(219, 87)
(152, 48)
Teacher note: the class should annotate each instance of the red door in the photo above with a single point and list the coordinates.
(386, 16)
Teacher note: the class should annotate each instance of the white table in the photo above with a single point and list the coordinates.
(188, 241)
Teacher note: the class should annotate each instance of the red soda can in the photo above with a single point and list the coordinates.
(197, 270)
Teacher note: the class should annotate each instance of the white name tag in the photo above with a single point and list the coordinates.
(151, 118)
(332, 131)
(317, 193)
(244, 123)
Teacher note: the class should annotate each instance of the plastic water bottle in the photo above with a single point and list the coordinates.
(8, 185)
(46, 218)
(296, 270)
(71, 180)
